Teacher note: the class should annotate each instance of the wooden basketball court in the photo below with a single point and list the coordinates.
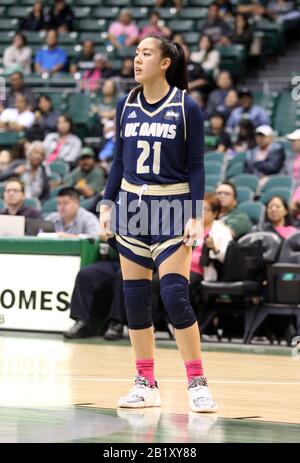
(57, 391)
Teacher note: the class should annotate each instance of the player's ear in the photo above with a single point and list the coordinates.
(165, 64)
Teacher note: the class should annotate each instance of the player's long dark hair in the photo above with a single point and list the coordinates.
(176, 74)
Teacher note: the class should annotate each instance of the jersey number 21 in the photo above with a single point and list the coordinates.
(141, 168)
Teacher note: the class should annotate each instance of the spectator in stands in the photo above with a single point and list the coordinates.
(245, 136)
(14, 196)
(292, 162)
(87, 178)
(85, 60)
(247, 110)
(126, 74)
(35, 21)
(17, 85)
(106, 107)
(18, 118)
(207, 56)
(5, 161)
(160, 3)
(31, 171)
(71, 220)
(18, 55)
(217, 236)
(61, 17)
(242, 32)
(277, 219)
(225, 9)
(92, 78)
(268, 156)
(101, 276)
(196, 75)
(154, 28)
(217, 97)
(123, 32)
(236, 220)
(62, 145)
(231, 101)
(34, 173)
(215, 27)
(52, 59)
(216, 139)
(45, 118)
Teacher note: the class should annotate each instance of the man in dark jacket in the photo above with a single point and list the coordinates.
(14, 196)
(268, 157)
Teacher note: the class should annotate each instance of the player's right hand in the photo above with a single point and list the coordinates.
(105, 216)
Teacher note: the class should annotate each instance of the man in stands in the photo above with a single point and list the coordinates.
(53, 59)
(247, 110)
(14, 196)
(236, 220)
(71, 220)
(17, 86)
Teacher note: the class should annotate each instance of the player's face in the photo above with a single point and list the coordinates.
(148, 62)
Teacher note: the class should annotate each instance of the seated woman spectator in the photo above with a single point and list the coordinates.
(61, 17)
(242, 33)
(277, 219)
(106, 107)
(123, 32)
(19, 118)
(31, 171)
(35, 21)
(92, 78)
(207, 56)
(245, 136)
(62, 145)
(231, 102)
(268, 156)
(18, 55)
(34, 173)
(154, 28)
(45, 119)
(216, 139)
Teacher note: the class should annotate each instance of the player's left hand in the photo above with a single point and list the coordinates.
(192, 232)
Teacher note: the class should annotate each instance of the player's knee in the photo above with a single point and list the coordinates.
(174, 291)
(137, 298)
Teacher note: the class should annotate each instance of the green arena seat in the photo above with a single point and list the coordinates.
(88, 2)
(285, 113)
(211, 179)
(185, 25)
(33, 202)
(6, 37)
(49, 206)
(234, 169)
(148, 3)
(19, 12)
(193, 13)
(81, 12)
(212, 167)
(9, 139)
(202, 3)
(191, 38)
(60, 167)
(233, 59)
(96, 25)
(119, 3)
(2, 205)
(8, 24)
(282, 192)
(244, 193)
(79, 108)
(139, 12)
(167, 13)
(248, 180)
(103, 12)
(274, 35)
(254, 209)
(277, 181)
(214, 156)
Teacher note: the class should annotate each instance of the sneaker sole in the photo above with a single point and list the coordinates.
(138, 405)
(204, 410)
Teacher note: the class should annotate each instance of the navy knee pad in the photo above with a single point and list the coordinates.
(174, 291)
(138, 298)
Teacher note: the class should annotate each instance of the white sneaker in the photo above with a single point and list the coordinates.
(200, 399)
(141, 395)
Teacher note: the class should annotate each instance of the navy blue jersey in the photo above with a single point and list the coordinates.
(159, 143)
(154, 141)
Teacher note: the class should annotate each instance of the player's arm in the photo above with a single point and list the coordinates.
(196, 175)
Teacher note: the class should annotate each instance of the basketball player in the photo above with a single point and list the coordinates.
(159, 157)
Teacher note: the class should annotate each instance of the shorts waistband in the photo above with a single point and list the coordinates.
(156, 190)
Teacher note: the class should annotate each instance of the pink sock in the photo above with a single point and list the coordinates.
(146, 368)
(193, 368)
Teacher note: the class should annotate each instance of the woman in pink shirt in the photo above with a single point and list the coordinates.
(277, 219)
(123, 32)
(154, 28)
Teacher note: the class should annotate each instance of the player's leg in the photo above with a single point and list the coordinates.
(174, 274)
(137, 281)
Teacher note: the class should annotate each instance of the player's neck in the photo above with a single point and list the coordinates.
(155, 91)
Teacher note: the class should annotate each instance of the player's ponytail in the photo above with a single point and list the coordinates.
(176, 74)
